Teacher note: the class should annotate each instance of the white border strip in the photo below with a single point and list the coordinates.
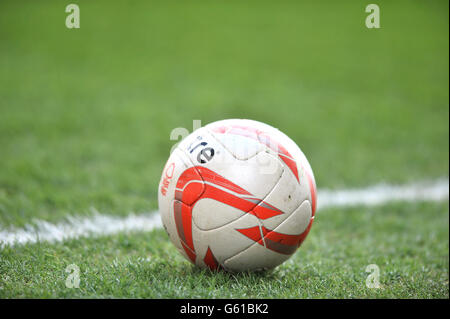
(76, 227)
(383, 193)
(101, 225)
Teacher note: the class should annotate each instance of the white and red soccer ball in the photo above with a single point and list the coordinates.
(237, 195)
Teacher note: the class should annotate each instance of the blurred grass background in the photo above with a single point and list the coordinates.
(85, 114)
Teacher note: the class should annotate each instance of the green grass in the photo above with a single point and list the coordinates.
(409, 243)
(85, 119)
(86, 114)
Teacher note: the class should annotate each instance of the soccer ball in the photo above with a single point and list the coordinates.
(237, 195)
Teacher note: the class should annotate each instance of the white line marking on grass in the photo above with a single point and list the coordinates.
(101, 225)
(76, 227)
(383, 193)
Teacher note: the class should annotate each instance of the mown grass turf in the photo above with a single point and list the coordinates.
(408, 242)
(86, 115)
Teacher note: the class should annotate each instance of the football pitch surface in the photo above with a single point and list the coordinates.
(86, 116)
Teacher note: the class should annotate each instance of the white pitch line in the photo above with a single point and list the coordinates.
(100, 225)
(382, 193)
(76, 227)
